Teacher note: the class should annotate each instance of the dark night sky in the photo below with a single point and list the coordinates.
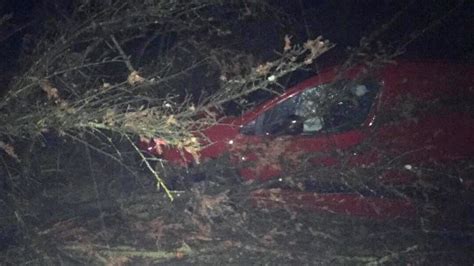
(343, 22)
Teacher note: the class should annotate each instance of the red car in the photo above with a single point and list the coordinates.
(386, 125)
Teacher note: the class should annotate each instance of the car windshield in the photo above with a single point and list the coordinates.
(334, 107)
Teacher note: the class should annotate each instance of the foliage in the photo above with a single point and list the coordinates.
(84, 77)
(101, 75)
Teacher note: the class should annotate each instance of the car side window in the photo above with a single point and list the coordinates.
(349, 109)
(335, 107)
(274, 120)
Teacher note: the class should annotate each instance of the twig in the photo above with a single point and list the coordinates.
(122, 53)
(160, 181)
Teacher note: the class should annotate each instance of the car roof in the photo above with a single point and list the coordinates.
(425, 74)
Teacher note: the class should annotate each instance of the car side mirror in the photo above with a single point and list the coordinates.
(248, 129)
(294, 125)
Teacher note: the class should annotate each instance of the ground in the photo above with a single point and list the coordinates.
(102, 214)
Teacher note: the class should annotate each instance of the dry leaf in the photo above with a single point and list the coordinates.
(158, 143)
(316, 48)
(109, 117)
(231, 244)
(179, 255)
(287, 46)
(264, 69)
(268, 240)
(155, 230)
(51, 91)
(171, 121)
(135, 79)
(204, 230)
(210, 206)
(191, 146)
(118, 261)
(9, 149)
(106, 86)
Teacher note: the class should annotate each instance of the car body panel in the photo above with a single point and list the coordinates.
(415, 119)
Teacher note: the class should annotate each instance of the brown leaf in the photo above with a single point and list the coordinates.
(118, 261)
(204, 230)
(9, 149)
(51, 91)
(171, 120)
(105, 86)
(287, 46)
(264, 69)
(158, 145)
(316, 48)
(155, 230)
(191, 146)
(179, 255)
(109, 117)
(135, 79)
(210, 206)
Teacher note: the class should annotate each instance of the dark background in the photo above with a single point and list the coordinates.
(443, 28)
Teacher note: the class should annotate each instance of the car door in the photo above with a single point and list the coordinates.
(320, 125)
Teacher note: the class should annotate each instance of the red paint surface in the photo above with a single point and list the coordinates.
(440, 131)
